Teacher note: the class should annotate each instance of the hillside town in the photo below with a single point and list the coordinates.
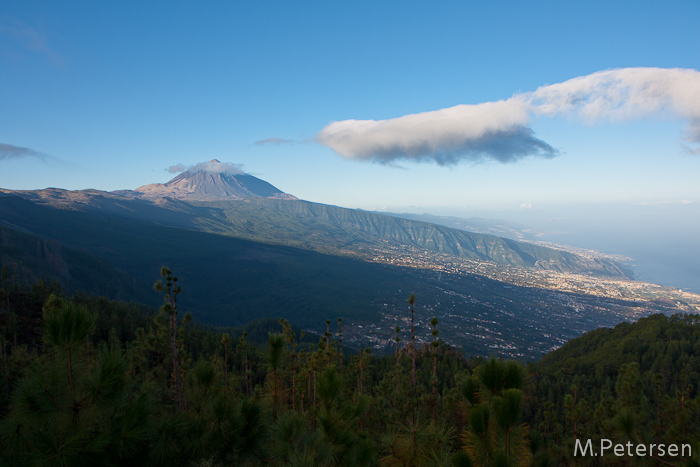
(568, 305)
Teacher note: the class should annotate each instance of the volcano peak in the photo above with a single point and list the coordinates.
(212, 180)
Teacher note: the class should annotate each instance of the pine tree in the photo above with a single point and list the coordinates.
(433, 381)
(66, 328)
(243, 348)
(411, 301)
(169, 286)
(494, 436)
(340, 347)
(275, 349)
(398, 356)
(290, 338)
(63, 415)
(224, 341)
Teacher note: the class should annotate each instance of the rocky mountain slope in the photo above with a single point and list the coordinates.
(208, 181)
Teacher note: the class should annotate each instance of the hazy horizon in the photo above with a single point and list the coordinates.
(661, 239)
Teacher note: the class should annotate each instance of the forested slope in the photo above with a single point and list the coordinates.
(92, 383)
(638, 381)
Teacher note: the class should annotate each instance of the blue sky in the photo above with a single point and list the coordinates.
(108, 95)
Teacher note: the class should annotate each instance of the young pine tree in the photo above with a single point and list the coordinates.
(168, 285)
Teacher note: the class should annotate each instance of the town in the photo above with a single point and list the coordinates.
(485, 308)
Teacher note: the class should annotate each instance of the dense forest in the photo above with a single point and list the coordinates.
(89, 381)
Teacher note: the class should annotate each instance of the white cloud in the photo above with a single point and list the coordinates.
(176, 169)
(625, 94)
(499, 130)
(273, 140)
(213, 166)
(663, 203)
(493, 129)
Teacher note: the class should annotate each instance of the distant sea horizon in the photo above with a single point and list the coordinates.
(663, 240)
(682, 273)
(674, 263)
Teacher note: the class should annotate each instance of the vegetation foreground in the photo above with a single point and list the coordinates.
(88, 381)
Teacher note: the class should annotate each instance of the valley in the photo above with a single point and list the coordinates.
(242, 255)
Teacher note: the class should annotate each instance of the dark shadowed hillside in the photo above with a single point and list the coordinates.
(232, 268)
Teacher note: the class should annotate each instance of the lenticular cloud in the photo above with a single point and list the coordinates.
(500, 130)
(212, 166)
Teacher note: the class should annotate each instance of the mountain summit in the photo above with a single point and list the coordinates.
(209, 181)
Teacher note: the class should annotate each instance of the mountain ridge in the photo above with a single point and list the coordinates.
(320, 227)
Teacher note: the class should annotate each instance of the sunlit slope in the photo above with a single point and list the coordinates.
(312, 223)
(324, 228)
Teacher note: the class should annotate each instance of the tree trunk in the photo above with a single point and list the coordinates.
(176, 366)
(413, 352)
(4, 358)
(434, 386)
(274, 394)
(294, 378)
(247, 389)
(397, 368)
(359, 382)
(226, 369)
(70, 379)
